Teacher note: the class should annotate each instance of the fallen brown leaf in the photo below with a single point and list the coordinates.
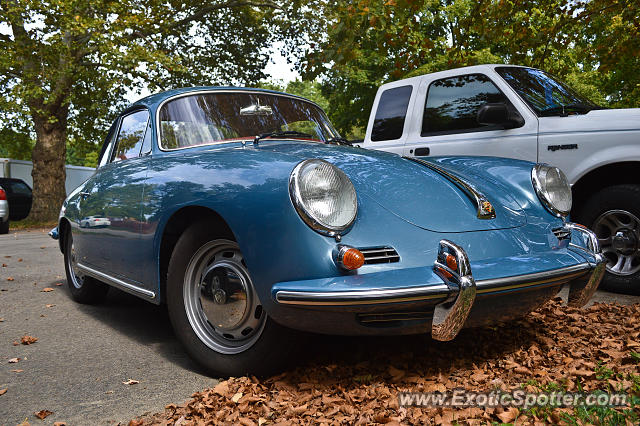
(16, 371)
(131, 382)
(46, 290)
(10, 279)
(3, 391)
(42, 414)
(136, 423)
(14, 360)
(59, 424)
(50, 305)
(4, 265)
(28, 340)
(59, 284)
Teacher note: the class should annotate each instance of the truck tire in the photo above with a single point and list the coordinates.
(613, 214)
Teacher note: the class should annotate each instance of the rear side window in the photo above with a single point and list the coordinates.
(131, 135)
(20, 188)
(391, 113)
(452, 104)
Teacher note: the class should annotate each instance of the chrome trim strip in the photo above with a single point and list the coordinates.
(484, 208)
(130, 288)
(438, 291)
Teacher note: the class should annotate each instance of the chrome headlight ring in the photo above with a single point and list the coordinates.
(553, 189)
(323, 196)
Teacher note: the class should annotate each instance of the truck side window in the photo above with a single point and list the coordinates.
(391, 113)
(453, 103)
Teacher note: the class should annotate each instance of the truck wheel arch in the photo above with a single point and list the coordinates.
(626, 172)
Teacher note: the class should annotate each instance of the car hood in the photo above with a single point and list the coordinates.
(410, 190)
(593, 121)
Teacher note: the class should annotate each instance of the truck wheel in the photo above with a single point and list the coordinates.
(215, 310)
(83, 289)
(4, 227)
(614, 215)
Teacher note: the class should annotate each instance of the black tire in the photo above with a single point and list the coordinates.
(270, 345)
(83, 289)
(4, 227)
(615, 210)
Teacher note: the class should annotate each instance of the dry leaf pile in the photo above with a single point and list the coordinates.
(554, 345)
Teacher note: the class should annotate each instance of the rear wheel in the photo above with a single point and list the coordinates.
(215, 310)
(83, 289)
(614, 215)
(4, 227)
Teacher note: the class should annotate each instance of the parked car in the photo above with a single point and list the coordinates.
(525, 113)
(94, 222)
(18, 196)
(249, 219)
(4, 212)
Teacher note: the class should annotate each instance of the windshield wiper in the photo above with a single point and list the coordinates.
(339, 141)
(283, 134)
(562, 109)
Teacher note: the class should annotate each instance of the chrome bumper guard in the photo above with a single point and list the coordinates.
(449, 316)
(582, 289)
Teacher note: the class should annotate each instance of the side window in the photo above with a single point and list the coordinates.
(391, 113)
(146, 143)
(105, 152)
(453, 103)
(131, 135)
(20, 188)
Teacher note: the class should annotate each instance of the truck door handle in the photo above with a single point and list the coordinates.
(84, 195)
(421, 152)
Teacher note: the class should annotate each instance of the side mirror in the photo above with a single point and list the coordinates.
(499, 115)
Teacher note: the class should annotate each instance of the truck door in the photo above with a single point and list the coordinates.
(445, 118)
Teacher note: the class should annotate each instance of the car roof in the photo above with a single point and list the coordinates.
(154, 100)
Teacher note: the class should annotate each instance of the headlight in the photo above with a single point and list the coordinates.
(552, 188)
(323, 196)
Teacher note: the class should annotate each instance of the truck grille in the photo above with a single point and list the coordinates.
(376, 255)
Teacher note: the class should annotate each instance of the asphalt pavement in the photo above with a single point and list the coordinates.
(83, 354)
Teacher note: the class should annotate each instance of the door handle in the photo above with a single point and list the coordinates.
(84, 195)
(422, 152)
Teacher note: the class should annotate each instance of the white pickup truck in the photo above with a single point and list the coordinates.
(525, 113)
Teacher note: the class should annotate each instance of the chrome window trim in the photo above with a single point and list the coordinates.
(437, 291)
(485, 209)
(542, 196)
(116, 282)
(210, 91)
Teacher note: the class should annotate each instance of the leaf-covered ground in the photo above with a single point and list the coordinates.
(357, 381)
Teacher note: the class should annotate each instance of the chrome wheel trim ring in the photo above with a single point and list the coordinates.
(77, 277)
(618, 233)
(233, 326)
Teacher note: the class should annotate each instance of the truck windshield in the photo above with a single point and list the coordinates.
(546, 95)
(222, 117)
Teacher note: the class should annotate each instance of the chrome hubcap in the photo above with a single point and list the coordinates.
(618, 232)
(220, 300)
(77, 277)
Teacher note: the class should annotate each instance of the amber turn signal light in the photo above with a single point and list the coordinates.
(451, 262)
(350, 258)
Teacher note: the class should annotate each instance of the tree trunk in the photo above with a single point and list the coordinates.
(49, 174)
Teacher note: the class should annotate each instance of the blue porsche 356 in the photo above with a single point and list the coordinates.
(244, 212)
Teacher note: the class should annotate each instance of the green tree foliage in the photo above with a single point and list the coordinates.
(67, 64)
(594, 45)
(16, 145)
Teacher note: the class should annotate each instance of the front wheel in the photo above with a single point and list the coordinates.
(215, 310)
(83, 289)
(614, 215)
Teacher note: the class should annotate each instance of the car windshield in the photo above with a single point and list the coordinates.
(221, 117)
(543, 93)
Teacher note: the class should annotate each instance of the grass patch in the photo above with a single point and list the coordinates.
(31, 224)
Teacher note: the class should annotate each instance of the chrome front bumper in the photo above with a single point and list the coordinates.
(456, 295)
